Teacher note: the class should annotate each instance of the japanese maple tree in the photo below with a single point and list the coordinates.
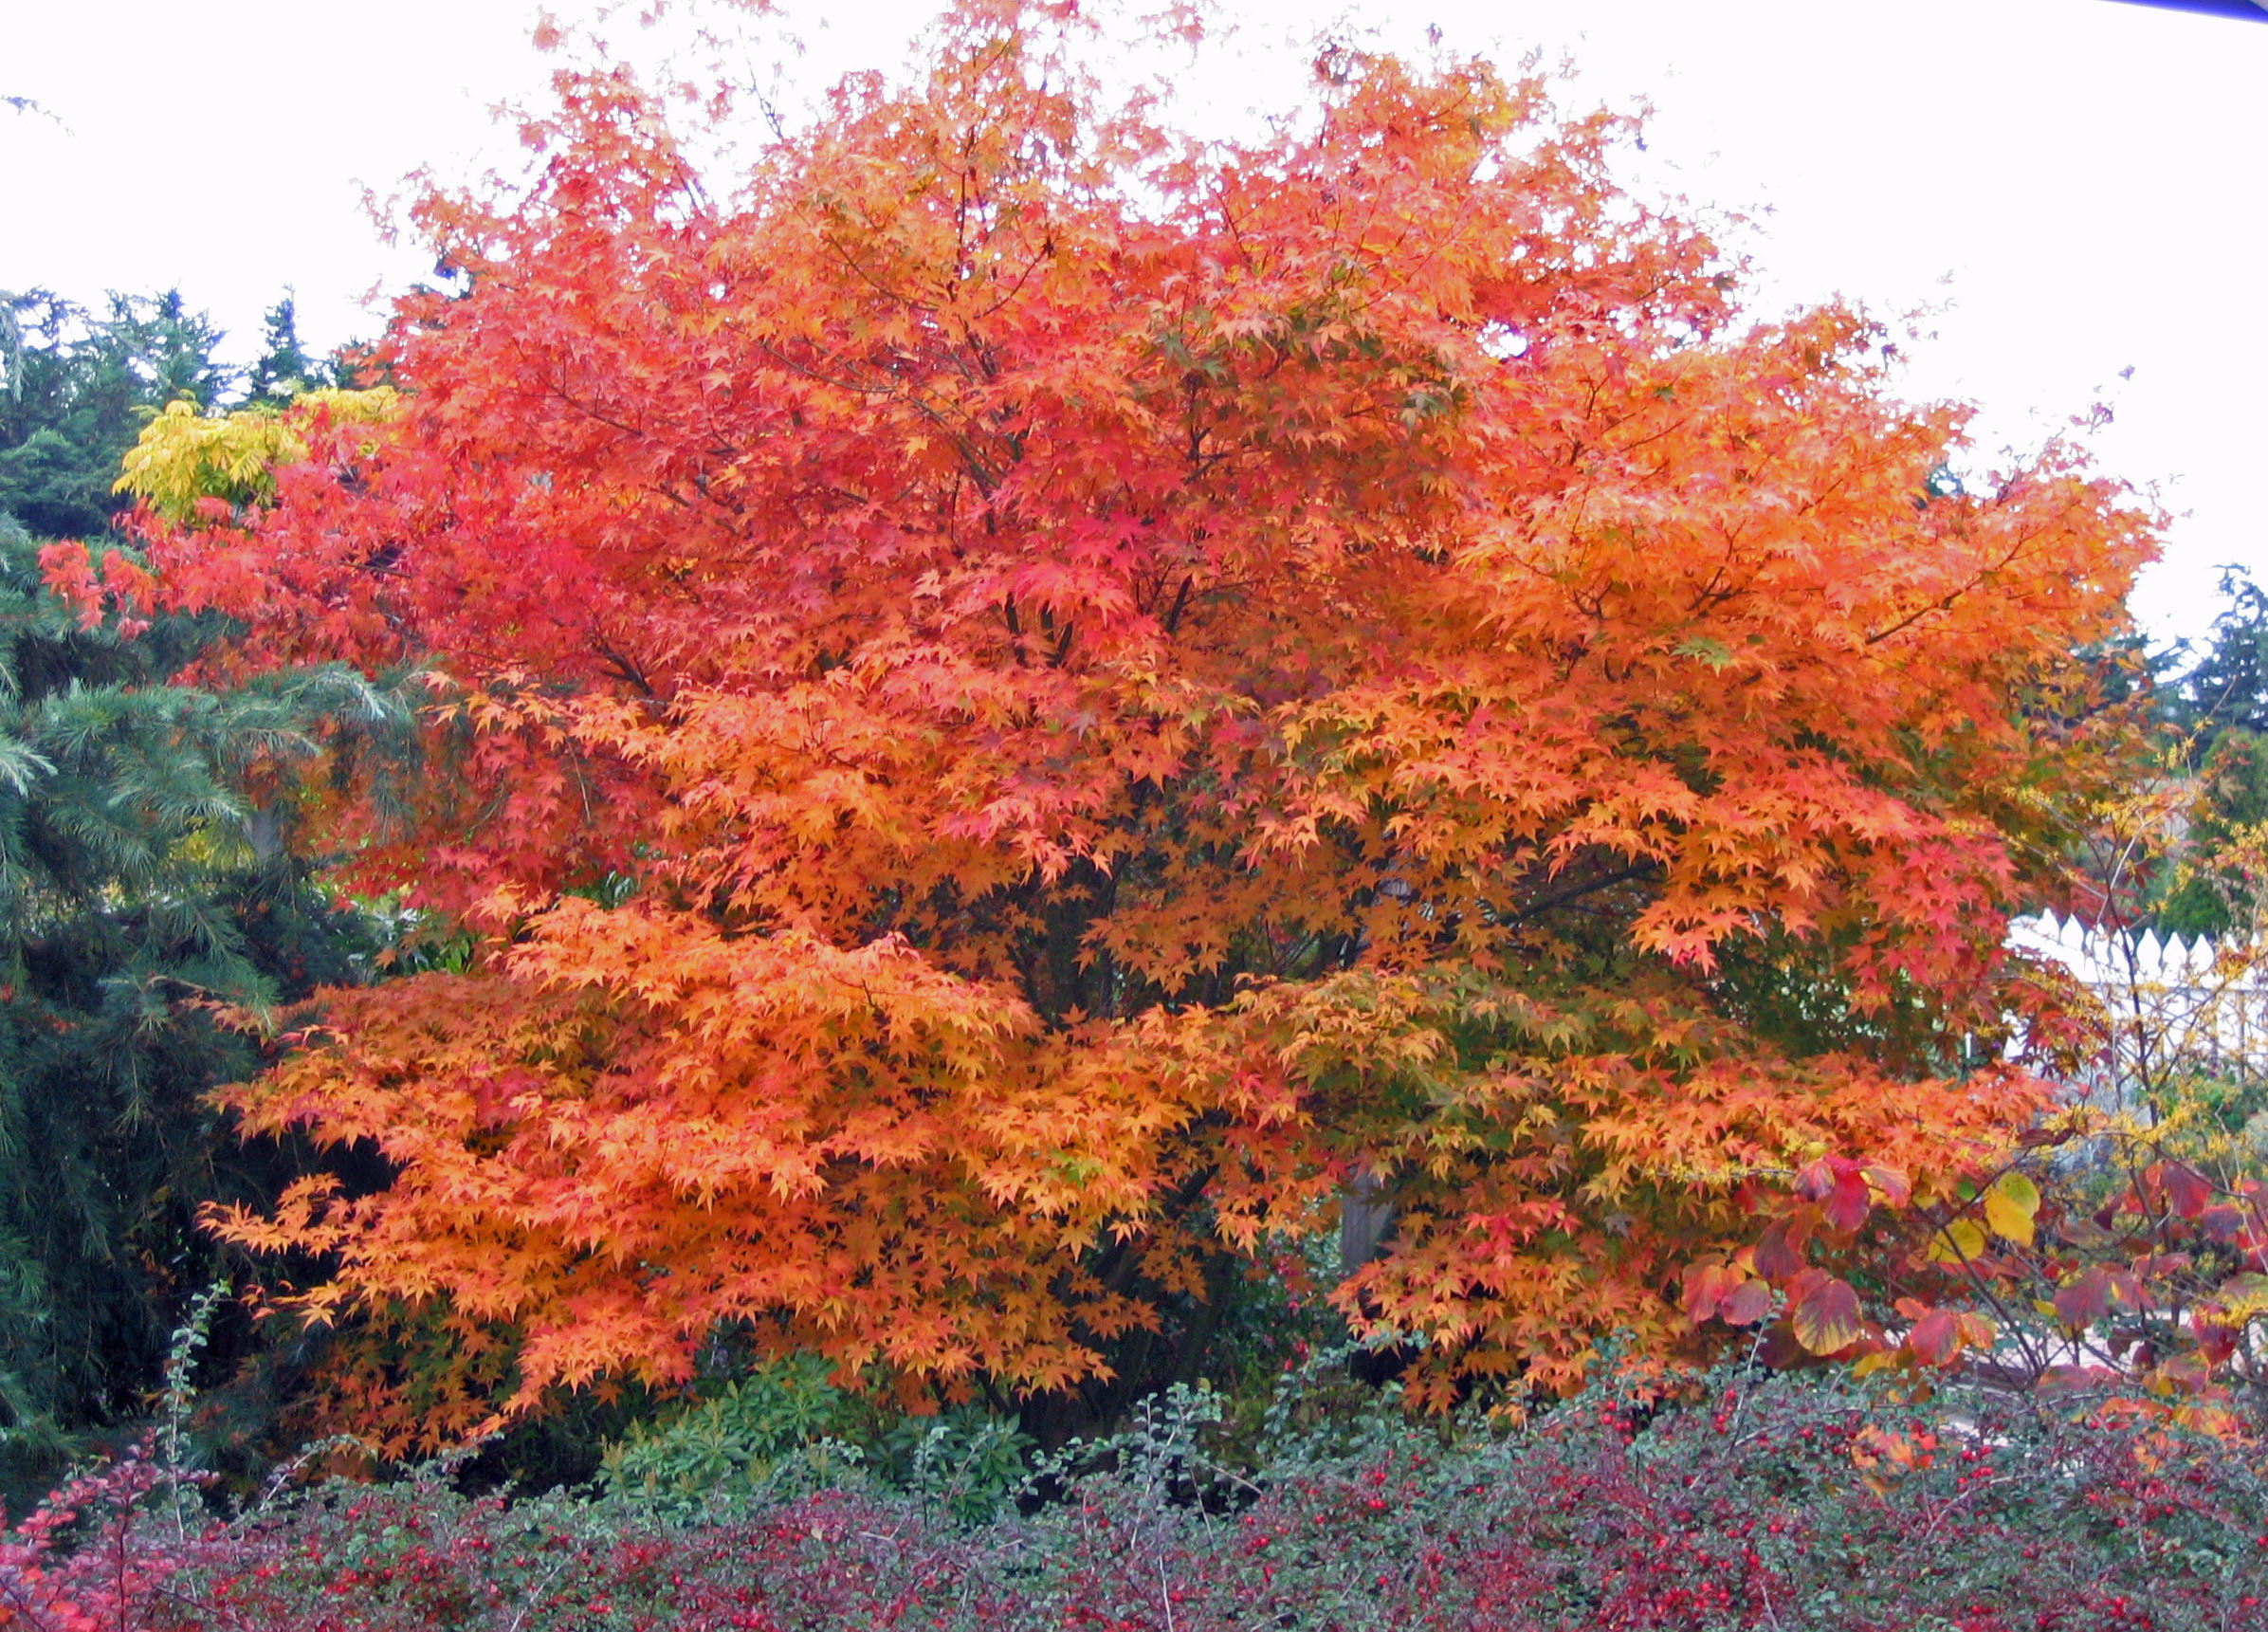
(1023, 700)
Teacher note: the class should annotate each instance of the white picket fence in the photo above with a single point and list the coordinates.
(2164, 1002)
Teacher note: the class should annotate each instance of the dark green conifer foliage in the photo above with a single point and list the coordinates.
(2227, 690)
(2221, 707)
(76, 391)
(148, 888)
(284, 369)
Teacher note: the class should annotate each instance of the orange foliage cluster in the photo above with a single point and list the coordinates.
(1135, 682)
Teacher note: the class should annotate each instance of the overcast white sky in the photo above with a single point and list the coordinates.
(2073, 186)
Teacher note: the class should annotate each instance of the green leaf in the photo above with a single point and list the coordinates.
(1703, 649)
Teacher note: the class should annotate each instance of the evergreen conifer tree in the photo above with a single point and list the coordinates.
(2220, 708)
(148, 891)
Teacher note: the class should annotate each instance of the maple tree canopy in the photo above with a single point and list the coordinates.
(1022, 700)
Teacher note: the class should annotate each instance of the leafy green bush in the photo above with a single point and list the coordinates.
(785, 1430)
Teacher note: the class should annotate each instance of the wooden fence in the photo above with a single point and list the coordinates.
(2168, 1005)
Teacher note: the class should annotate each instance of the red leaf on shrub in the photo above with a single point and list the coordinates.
(1748, 1303)
(1776, 1256)
(2186, 1190)
(1896, 1189)
(1706, 1288)
(2092, 1296)
(2070, 1379)
(1936, 1337)
(1824, 1312)
(1779, 1348)
(2224, 1222)
(1816, 1181)
(1847, 1205)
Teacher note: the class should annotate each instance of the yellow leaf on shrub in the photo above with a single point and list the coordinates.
(1959, 1240)
(2009, 1208)
(2244, 1294)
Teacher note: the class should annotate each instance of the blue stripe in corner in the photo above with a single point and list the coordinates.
(2243, 11)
